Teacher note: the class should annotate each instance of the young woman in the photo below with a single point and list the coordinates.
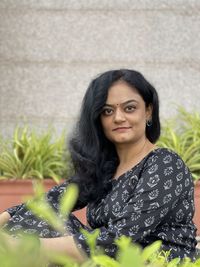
(130, 186)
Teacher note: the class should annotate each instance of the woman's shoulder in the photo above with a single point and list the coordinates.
(163, 152)
(164, 156)
(164, 164)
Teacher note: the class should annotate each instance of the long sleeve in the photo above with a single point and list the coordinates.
(53, 198)
(54, 195)
(14, 209)
(23, 220)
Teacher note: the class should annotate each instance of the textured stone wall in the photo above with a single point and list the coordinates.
(51, 49)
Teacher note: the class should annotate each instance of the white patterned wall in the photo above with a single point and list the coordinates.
(51, 49)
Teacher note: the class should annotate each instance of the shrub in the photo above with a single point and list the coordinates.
(182, 134)
(32, 155)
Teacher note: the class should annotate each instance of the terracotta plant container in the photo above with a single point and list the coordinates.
(13, 192)
(197, 206)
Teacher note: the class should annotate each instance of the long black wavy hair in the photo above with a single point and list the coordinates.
(94, 157)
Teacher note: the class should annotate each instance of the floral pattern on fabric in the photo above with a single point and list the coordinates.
(154, 200)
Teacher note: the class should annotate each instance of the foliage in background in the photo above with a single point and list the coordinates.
(28, 253)
(182, 134)
(33, 155)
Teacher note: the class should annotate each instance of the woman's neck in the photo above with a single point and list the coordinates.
(130, 155)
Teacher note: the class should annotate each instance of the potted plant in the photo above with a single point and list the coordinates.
(29, 157)
(26, 157)
(182, 134)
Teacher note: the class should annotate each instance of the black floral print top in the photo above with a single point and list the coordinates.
(152, 201)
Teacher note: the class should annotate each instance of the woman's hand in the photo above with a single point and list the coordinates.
(4, 218)
(63, 245)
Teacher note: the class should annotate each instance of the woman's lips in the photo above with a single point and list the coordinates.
(121, 129)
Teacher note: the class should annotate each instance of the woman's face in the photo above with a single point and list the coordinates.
(124, 115)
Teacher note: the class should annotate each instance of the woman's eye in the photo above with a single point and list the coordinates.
(107, 111)
(129, 108)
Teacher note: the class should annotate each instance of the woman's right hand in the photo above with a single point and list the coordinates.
(4, 217)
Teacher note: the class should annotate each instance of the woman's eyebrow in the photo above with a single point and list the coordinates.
(123, 103)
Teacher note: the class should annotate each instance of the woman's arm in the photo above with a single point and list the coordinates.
(63, 245)
(4, 217)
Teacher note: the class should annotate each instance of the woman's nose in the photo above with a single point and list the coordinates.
(119, 116)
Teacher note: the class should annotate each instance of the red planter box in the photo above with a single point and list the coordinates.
(13, 192)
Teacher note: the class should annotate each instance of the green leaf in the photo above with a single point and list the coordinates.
(41, 208)
(150, 250)
(68, 199)
(174, 262)
(105, 261)
(130, 257)
(91, 239)
(123, 242)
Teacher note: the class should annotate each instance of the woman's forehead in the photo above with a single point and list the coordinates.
(121, 92)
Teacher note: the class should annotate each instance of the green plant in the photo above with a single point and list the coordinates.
(182, 134)
(32, 155)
